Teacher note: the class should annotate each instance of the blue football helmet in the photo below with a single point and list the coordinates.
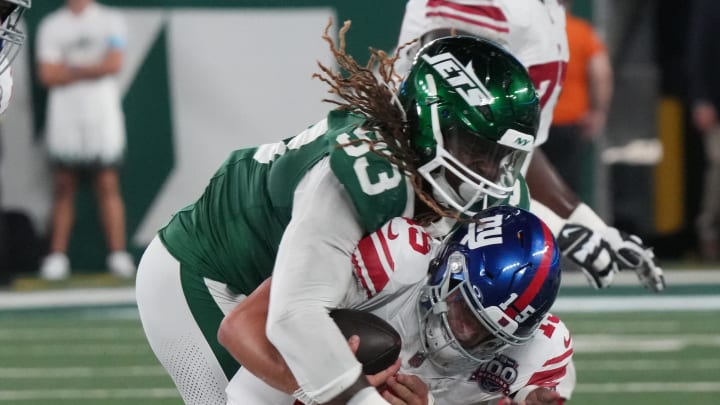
(11, 38)
(492, 284)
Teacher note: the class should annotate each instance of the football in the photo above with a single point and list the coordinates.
(380, 343)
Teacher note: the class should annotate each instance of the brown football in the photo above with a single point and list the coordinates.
(380, 343)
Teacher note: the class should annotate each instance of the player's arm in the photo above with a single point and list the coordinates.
(599, 250)
(242, 333)
(310, 276)
(547, 186)
(545, 375)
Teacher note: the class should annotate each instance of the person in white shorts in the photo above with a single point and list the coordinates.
(79, 52)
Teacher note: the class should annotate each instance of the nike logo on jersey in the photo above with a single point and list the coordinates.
(566, 341)
(391, 235)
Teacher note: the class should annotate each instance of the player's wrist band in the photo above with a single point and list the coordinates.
(301, 396)
(584, 215)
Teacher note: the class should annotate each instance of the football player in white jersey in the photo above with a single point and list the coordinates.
(444, 142)
(534, 31)
(472, 312)
(11, 39)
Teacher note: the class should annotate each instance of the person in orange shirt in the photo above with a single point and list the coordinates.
(581, 111)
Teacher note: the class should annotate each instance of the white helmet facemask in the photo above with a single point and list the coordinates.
(485, 171)
(11, 38)
(456, 338)
(6, 84)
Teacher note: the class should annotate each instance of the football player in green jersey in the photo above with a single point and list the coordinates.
(445, 143)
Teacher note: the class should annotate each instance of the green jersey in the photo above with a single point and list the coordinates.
(232, 232)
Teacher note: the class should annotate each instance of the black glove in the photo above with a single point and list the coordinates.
(602, 254)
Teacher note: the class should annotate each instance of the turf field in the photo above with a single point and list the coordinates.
(668, 352)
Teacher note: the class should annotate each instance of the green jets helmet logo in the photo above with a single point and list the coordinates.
(460, 77)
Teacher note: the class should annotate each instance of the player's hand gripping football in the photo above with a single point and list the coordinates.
(602, 254)
(397, 389)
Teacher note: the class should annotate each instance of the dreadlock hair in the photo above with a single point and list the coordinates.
(361, 92)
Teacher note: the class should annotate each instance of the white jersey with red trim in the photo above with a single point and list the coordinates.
(391, 267)
(532, 30)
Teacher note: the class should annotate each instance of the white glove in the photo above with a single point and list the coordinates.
(603, 251)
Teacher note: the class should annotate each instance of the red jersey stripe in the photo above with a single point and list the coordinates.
(361, 276)
(559, 358)
(548, 378)
(537, 282)
(385, 248)
(466, 20)
(491, 12)
(374, 269)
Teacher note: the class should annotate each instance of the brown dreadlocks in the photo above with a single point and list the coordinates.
(362, 93)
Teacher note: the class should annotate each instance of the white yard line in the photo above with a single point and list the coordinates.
(80, 372)
(69, 297)
(596, 343)
(650, 365)
(104, 296)
(36, 394)
(637, 303)
(673, 277)
(610, 388)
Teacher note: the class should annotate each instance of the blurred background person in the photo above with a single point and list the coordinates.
(79, 52)
(582, 108)
(704, 95)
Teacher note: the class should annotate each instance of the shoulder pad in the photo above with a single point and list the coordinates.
(377, 188)
(392, 258)
(546, 358)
